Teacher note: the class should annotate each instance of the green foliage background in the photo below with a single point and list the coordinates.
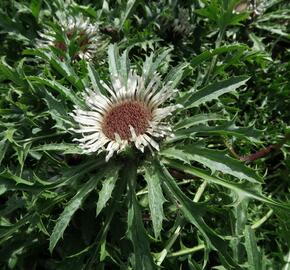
(216, 196)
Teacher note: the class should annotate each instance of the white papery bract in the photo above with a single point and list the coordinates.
(130, 114)
(77, 28)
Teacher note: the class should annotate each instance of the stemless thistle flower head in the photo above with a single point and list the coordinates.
(77, 29)
(130, 114)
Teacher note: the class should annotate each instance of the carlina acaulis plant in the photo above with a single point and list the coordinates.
(131, 113)
(73, 29)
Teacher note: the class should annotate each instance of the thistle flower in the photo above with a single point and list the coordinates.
(76, 29)
(131, 114)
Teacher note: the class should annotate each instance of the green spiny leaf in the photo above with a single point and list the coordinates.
(109, 182)
(254, 256)
(198, 119)
(227, 128)
(193, 213)
(136, 231)
(35, 6)
(94, 78)
(124, 65)
(66, 70)
(3, 148)
(241, 189)
(213, 159)
(68, 93)
(175, 74)
(125, 14)
(11, 74)
(156, 199)
(152, 63)
(58, 111)
(66, 148)
(113, 58)
(73, 205)
(212, 91)
(197, 60)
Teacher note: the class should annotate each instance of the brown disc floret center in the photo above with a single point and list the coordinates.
(119, 119)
